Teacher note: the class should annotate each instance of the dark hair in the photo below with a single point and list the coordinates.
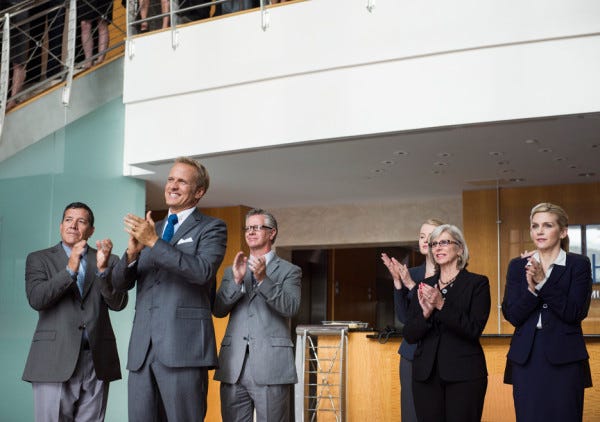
(269, 219)
(80, 205)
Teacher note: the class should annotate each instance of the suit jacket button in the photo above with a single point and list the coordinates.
(545, 306)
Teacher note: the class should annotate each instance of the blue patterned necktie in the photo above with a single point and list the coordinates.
(170, 229)
(81, 274)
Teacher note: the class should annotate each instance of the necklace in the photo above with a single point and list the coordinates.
(445, 285)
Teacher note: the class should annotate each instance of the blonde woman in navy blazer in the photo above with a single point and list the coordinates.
(446, 322)
(547, 296)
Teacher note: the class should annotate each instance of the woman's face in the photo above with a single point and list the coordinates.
(424, 233)
(545, 231)
(445, 250)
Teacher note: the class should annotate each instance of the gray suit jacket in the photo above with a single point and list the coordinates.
(174, 280)
(260, 320)
(63, 313)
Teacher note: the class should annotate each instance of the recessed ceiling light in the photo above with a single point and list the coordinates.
(387, 162)
(572, 166)
(444, 154)
(401, 153)
(438, 172)
(503, 162)
(378, 171)
(544, 150)
(506, 171)
(595, 145)
(516, 180)
(496, 153)
(440, 164)
(531, 141)
(589, 174)
(559, 159)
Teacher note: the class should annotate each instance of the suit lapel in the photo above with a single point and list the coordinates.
(557, 273)
(185, 227)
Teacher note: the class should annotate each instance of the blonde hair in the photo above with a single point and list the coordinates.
(202, 178)
(561, 218)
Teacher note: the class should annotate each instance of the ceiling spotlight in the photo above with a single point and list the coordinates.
(503, 162)
(589, 174)
(572, 166)
(387, 162)
(440, 164)
(531, 141)
(401, 153)
(506, 171)
(496, 153)
(544, 150)
(595, 145)
(516, 180)
(444, 154)
(559, 159)
(438, 172)
(378, 171)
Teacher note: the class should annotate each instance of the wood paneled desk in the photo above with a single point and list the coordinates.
(373, 383)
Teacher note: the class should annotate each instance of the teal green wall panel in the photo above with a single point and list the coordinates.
(81, 162)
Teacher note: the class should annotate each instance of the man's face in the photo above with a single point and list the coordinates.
(180, 191)
(75, 226)
(258, 237)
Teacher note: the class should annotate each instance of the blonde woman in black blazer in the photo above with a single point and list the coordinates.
(449, 369)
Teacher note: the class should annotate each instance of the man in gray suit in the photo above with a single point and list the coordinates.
(173, 263)
(260, 294)
(73, 356)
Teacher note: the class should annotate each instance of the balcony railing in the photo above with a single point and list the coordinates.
(46, 43)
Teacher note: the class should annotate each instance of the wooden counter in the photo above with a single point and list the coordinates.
(373, 383)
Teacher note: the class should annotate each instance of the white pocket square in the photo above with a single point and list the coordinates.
(187, 240)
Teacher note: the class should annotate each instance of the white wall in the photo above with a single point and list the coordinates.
(329, 69)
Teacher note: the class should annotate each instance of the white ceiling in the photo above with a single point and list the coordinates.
(428, 163)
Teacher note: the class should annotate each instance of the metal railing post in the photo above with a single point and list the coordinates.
(70, 60)
(4, 69)
(172, 17)
(265, 18)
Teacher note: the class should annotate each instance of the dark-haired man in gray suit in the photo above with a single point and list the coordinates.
(73, 355)
(260, 294)
(173, 263)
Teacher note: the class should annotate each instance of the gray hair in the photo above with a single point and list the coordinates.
(270, 221)
(456, 234)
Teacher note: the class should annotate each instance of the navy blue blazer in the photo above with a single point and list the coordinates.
(402, 299)
(563, 303)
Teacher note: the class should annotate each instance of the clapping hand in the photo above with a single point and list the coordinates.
(102, 256)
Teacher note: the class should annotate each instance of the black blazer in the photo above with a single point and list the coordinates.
(563, 302)
(451, 336)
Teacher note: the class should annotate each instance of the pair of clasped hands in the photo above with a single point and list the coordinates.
(104, 247)
(241, 263)
(534, 271)
(142, 232)
(429, 297)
